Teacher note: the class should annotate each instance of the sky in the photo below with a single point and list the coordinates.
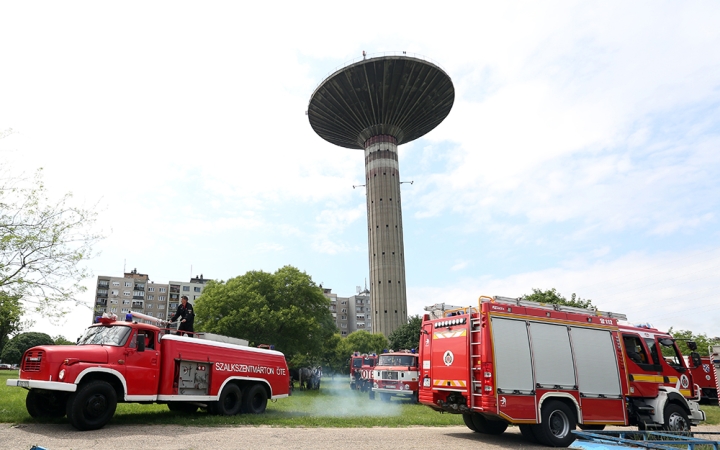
(581, 152)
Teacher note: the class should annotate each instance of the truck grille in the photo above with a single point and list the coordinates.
(388, 375)
(32, 360)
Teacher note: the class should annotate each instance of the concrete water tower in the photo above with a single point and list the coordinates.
(375, 105)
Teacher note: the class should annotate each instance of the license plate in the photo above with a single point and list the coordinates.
(390, 386)
(23, 383)
(426, 382)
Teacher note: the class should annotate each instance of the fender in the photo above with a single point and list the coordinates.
(552, 395)
(121, 378)
(214, 398)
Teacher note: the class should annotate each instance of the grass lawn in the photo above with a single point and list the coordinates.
(334, 405)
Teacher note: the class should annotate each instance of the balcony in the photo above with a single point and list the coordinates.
(137, 304)
(101, 301)
(139, 287)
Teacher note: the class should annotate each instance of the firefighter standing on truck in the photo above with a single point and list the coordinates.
(186, 314)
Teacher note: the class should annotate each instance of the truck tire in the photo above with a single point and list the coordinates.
(557, 423)
(467, 418)
(92, 405)
(45, 404)
(255, 399)
(528, 432)
(182, 407)
(676, 418)
(230, 400)
(486, 426)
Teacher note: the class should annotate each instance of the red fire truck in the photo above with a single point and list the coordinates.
(119, 361)
(361, 371)
(704, 376)
(548, 368)
(396, 374)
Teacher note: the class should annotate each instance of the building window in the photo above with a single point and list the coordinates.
(126, 302)
(126, 293)
(196, 289)
(113, 309)
(162, 289)
(186, 288)
(128, 284)
(151, 289)
(195, 297)
(160, 315)
(150, 297)
(149, 306)
(125, 310)
(139, 293)
(173, 305)
(114, 302)
(150, 314)
(115, 292)
(161, 298)
(116, 283)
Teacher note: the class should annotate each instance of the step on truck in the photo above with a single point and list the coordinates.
(128, 361)
(550, 368)
(396, 375)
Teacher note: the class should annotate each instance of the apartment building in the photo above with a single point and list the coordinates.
(351, 313)
(135, 292)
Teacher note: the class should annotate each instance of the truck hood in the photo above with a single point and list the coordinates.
(83, 353)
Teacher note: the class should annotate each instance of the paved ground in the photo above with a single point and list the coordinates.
(161, 437)
(60, 437)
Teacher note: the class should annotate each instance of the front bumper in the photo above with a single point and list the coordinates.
(39, 384)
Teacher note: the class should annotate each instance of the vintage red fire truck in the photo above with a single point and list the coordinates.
(396, 375)
(361, 371)
(118, 361)
(704, 376)
(548, 368)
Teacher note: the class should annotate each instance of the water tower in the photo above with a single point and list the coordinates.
(375, 105)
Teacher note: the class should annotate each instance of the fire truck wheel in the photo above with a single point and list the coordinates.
(675, 418)
(557, 423)
(92, 406)
(486, 426)
(416, 397)
(230, 400)
(182, 407)
(255, 399)
(467, 418)
(41, 404)
(528, 433)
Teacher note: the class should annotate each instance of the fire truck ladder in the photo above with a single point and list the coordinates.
(476, 373)
(551, 306)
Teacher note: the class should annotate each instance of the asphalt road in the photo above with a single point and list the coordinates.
(174, 437)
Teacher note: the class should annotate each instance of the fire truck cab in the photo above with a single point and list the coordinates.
(550, 368)
(396, 374)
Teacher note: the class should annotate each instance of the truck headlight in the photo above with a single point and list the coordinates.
(407, 387)
(61, 375)
(375, 385)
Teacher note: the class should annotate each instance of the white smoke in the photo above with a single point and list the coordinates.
(338, 400)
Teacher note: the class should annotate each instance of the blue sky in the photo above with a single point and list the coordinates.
(581, 152)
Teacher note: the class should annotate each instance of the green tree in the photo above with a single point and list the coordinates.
(702, 340)
(60, 340)
(42, 244)
(407, 336)
(11, 312)
(13, 351)
(554, 297)
(285, 308)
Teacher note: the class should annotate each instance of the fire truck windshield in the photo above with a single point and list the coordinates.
(115, 335)
(397, 360)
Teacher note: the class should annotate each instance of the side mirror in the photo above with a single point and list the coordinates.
(692, 345)
(140, 342)
(667, 342)
(695, 357)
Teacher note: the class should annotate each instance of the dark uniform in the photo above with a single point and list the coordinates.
(185, 312)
